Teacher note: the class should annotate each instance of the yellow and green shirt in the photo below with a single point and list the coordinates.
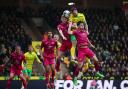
(30, 57)
(76, 19)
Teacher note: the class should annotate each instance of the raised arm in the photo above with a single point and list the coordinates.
(91, 44)
(69, 28)
(86, 25)
(61, 33)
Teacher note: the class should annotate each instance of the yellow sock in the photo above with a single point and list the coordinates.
(73, 52)
(85, 67)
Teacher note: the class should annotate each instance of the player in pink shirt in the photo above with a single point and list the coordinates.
(83, 44)
(48, 57)
(17, 57)
(66, 41)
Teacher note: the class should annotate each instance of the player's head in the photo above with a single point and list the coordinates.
(18, 49)
(74, 25)
(30, 48)
(56, 37)
(74, 11)
(81, 25)
(64, 19)
(49, 34)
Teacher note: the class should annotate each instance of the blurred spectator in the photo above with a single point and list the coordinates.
(4, 57)
(11, 31)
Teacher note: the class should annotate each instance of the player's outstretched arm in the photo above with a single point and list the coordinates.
(69, 28)
(91, 44)
(86, 25)
(61, 33)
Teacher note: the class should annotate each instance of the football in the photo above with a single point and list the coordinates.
(66, 13)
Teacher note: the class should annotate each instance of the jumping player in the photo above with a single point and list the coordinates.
(30, 56)
(17, 57)
(66, 42)
(75, 17)
(83, 44)
(48, 57)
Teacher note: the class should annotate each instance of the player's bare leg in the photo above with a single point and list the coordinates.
(59, 60)
(53, 74)
(23, 79)
(76, 72)
(47, 75)
(12, 75)
(21, 76)
(27, 79)
(97, 66)
(73, 50)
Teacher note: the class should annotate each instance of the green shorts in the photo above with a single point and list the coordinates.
(73, 38)
(28, 72)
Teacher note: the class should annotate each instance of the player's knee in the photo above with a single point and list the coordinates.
(23, 78)
(59, 56)
(53, 69)
(47, 70)
(11, 77)
(95, 58)
(28, 78)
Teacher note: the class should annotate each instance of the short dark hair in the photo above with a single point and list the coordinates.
(80, 23)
